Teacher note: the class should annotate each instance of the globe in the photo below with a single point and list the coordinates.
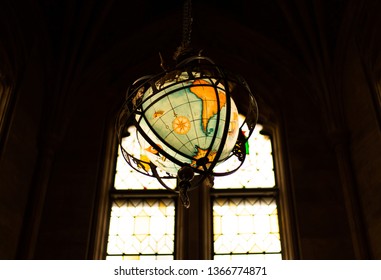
(183, 117)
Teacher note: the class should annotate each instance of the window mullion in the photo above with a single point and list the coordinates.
(245, 192)
(141, 194)
(194, 227)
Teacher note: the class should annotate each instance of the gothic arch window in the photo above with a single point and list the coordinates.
(240, 214)
(245, 206)
(142, 220)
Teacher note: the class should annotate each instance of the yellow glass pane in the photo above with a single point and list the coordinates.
(142, 227)
(140, 257)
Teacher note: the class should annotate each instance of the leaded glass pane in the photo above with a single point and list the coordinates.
(142, 229)
(258, 169)
(126, 178)
(247, 257)
(245, 226)
(139, 257)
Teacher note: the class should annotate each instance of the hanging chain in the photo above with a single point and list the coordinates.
(187, 29)
(187, 23)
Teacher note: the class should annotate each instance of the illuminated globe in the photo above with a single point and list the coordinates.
(180, 124)
(186, 118)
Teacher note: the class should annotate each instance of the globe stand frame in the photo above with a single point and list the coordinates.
(189, 176)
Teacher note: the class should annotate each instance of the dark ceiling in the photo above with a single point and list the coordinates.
(280, 47)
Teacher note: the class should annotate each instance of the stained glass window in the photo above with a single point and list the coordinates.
(244, 224)
(142, 229)
(126, 178)
(258, 169)
(246, 228)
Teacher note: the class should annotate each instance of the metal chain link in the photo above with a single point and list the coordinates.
(187, 30)
(187, 23)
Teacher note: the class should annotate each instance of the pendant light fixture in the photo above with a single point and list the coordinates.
(187, 120)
